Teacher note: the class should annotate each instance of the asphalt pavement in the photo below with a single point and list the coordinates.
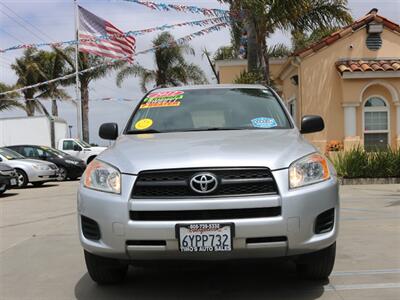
(41, 258)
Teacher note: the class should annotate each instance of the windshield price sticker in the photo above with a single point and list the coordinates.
(205, 237)
(162, 99)
(143, 124)
(264, 122)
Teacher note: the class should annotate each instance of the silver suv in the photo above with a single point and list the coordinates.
(209, 173)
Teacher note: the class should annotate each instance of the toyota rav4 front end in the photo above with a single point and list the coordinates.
(209, 173)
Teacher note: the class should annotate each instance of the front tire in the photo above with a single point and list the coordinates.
(317, 265)
(90, 159)
(105, 270)
(3, 188)
(62, 174)
(22, 178)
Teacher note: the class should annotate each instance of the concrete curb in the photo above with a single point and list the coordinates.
(352, 181)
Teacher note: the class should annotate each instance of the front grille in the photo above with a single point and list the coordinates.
(325, 221)
(271, 239)
(90, 228)
(195, 215)
(231, 182)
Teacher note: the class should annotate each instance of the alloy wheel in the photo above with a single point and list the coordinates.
(62, 174)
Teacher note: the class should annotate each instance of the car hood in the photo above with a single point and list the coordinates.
(274, 149)
(70, 157)
(28, 162)
(98, 149)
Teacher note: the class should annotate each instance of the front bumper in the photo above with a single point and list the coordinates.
(39, 175)
(299, 209)
(75, 171)
(10, 181)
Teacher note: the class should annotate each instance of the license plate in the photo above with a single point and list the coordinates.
(211, 237)
(13, 181)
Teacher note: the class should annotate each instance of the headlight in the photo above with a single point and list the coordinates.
(72, 162)
(308, 170)
(41, 167)
(102, 177)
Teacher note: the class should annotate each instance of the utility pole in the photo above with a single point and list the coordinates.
(78, 100)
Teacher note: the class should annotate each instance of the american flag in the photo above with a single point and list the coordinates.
(92, 28)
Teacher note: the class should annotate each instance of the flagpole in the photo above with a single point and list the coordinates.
(78, 101)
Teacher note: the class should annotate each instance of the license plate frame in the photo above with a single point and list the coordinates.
(204, 227)
(13, 182)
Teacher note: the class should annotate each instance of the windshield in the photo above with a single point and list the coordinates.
(208, 109)
(10, 154)
(53, 151)
(83, 144)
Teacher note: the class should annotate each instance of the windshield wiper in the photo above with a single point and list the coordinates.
(216, 129)
(142, 131)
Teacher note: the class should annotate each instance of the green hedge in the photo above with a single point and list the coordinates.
(358, 163)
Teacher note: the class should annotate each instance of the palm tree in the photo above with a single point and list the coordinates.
(172, 68)
(8, 101)
(29, 72)
(264, 17)
(53, 66)
(86, 61)
(301, 40)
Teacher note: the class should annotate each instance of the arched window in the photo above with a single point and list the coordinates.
(376, 123)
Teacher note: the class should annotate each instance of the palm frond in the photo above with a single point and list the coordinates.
(129, 70)
(278, 50)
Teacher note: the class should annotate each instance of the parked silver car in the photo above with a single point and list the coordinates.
(209, 173)
(31, 171)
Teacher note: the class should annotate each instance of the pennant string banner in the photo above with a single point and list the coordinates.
(179, 41)
(182, 8)
(201, 23)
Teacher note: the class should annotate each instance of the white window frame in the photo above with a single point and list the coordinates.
(376, 109)
(292, 101)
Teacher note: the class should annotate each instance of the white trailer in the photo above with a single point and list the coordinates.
(32, 130)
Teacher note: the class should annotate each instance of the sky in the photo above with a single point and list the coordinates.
(35, 21)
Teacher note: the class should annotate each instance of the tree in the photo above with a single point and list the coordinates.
(86, 61)
(262, 18)
(53, 65)
(8, 101)
(28, 71)
(301, 40)
(171, 66)
(225, 52)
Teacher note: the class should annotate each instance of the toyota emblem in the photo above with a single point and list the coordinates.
(204, 183)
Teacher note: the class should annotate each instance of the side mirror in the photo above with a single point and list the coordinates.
(310, 124)
(109, 131)
(77, 148)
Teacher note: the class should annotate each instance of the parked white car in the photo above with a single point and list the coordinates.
(31, 171)
(80, 149)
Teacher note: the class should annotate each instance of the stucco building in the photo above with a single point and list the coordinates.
(351, 78)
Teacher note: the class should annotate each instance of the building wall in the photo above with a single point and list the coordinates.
(229, 70)
(228, 74)
(321, 85)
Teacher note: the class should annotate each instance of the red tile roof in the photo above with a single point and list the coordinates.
(368, 65)
(330, 39)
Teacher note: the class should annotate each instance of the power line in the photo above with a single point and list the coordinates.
(27, 22)
(26, 28)
(13, 36)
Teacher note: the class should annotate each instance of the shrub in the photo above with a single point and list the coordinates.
(357, 163)
(249, 77)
